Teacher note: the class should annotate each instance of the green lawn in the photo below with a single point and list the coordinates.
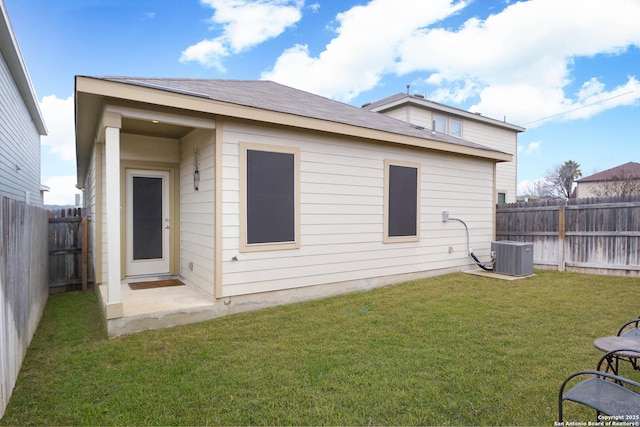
(450, 350)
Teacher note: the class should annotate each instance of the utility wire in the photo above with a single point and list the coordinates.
(577, 108)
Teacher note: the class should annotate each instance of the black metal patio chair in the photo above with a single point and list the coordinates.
(631, 329)
(607, 393)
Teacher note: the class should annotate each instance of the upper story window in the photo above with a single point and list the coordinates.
(440, 124)
(455, 127)
(448, 125)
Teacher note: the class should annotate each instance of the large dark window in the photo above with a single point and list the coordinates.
(270, 197)
(402, 201)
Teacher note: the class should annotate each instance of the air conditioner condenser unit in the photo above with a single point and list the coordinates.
(512, 258)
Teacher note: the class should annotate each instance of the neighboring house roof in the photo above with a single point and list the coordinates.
(259, 100)
(11, 53)
(403, 98)
(625, 171)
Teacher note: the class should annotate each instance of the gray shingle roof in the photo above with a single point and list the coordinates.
(630, 170)
(268, 95)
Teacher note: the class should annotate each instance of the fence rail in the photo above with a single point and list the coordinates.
(597, 235)
(68, 249)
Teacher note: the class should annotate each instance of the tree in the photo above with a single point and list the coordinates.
(562, 177)
(540, 190)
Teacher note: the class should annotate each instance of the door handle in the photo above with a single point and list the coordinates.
(166, 226)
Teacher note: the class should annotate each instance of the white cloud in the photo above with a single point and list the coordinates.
(245, 24)
(62, 190)
(593, 98)
(59, 116)
(207, 52)
(516, 63)
(366, 47)
(531, 148)
(521, 57)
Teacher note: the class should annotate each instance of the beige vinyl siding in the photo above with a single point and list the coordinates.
(342, 199)
(419, 117)
(103, 204)
(197, 210)
(20, 147)
(412, 114)
(148, 149)
(585, 189)
(500, 139)
(482, 133)
(90, 201)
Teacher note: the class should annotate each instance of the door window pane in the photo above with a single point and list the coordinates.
(147, 218)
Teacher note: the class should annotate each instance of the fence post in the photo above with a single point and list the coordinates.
(85, 253)
(561, 231)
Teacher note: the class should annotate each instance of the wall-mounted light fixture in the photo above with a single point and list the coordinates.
(196, 168)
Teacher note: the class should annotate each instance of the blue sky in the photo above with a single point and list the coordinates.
(567, 70)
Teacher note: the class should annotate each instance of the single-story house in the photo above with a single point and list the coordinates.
(252, 191)
(622, 180)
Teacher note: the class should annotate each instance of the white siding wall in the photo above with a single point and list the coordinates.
(342, 214)
(19, 144)
(478, 132)
(197, 210)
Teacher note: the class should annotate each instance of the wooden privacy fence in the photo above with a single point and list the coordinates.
(23, 285)
(597, 235)
(68, 249)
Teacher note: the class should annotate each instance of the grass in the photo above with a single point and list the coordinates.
(450, 350)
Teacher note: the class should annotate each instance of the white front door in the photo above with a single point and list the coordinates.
(148, 224)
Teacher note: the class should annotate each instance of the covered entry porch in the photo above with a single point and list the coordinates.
(147, 173)
(147, 162)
